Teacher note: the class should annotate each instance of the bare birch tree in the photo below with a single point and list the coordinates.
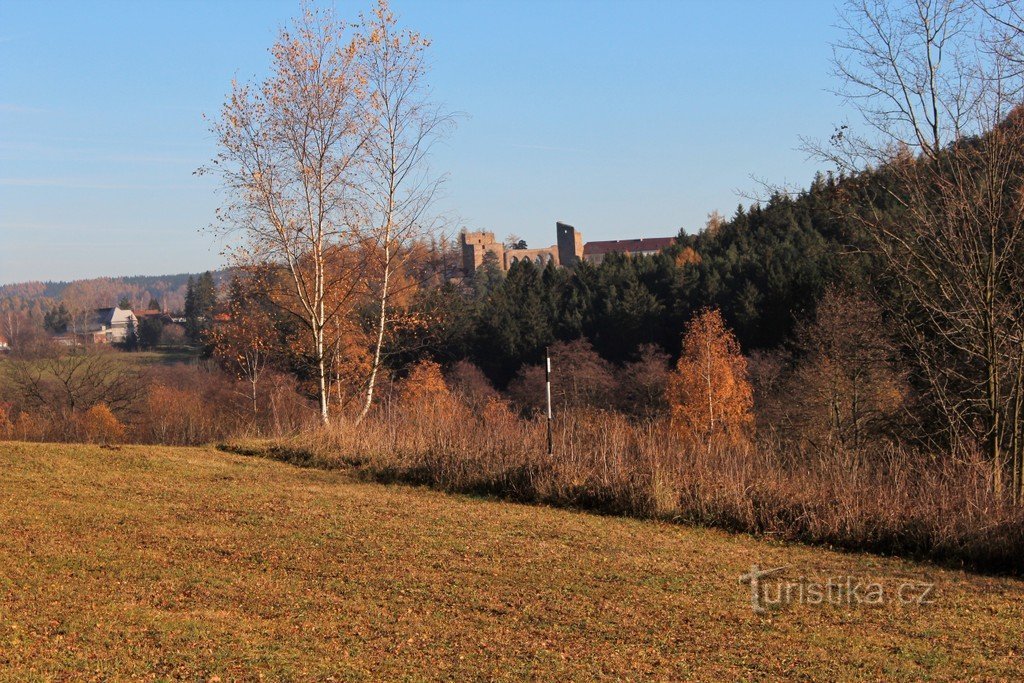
(290, 148)
(397, 186)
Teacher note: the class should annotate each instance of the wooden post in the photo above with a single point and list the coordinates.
(547, 388)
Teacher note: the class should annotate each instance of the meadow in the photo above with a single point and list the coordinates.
(190, 563)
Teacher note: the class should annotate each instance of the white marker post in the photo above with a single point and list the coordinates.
(547, 387)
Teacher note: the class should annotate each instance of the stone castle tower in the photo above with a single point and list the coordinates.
(475, 246)
(570, 244)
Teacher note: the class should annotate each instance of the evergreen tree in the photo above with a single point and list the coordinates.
(200, 299)
(151, 329)
(57, 319)
(514, 325)
(131, 337)
(190, 306)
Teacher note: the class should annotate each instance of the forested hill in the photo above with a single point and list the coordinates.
(769, 264)
(766, 268)
(36, 298)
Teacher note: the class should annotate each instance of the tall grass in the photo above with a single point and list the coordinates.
(890, 501)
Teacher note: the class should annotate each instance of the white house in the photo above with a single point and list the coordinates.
(110, 325)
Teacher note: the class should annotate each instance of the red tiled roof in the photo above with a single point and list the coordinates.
(628, 246)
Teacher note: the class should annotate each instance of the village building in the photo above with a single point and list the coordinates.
(111, 325)
(594, 252)
(103, 326)
(568, 250)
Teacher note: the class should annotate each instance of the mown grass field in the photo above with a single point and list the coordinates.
(188, 563)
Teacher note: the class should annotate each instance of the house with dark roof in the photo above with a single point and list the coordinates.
(594, 252)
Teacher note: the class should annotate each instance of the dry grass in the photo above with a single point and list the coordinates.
(187, 563)
(887, 501)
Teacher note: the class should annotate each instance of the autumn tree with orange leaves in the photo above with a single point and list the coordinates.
(709, 395)
(425, 385)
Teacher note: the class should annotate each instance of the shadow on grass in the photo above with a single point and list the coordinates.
(992, 554)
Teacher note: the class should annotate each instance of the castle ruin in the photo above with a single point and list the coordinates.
(569, 249)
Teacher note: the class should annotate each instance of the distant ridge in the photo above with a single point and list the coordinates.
(40, 296)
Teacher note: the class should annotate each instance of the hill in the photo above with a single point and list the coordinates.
(38, 297)
(191, 563)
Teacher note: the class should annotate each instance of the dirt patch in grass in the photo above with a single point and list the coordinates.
(190, 563)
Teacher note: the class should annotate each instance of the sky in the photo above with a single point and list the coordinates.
(625, 119)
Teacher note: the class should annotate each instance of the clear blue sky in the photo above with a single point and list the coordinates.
(625, 119)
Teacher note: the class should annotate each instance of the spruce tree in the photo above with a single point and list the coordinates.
(200, 299)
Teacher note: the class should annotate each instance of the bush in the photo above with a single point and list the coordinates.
(5, 421)
(29, 427)
(470, 384)
(99, 425)
(579, 378)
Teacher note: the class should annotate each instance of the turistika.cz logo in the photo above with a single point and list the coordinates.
(769, 591)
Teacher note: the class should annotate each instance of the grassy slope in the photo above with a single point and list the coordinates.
(138, 360)
(191, 563)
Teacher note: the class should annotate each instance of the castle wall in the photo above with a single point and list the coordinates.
(569, 250)
(540, 257)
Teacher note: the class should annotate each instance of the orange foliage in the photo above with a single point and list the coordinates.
(348, 359)
(100, 425)
(496, 412)
(709, 394)
(425, 384)
(687, 257)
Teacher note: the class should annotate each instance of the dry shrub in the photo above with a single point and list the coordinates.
(527, 390)
(497, 414)
(175, 416)
(470, 384)
(5, 421)
(29, 427)
(191, 404)
(423, 395)
(424, 384)
(890, 501)
(583, 379)
(173, 335)
(643, 382)
(284, 410)
(99, 425)
(846, 389)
